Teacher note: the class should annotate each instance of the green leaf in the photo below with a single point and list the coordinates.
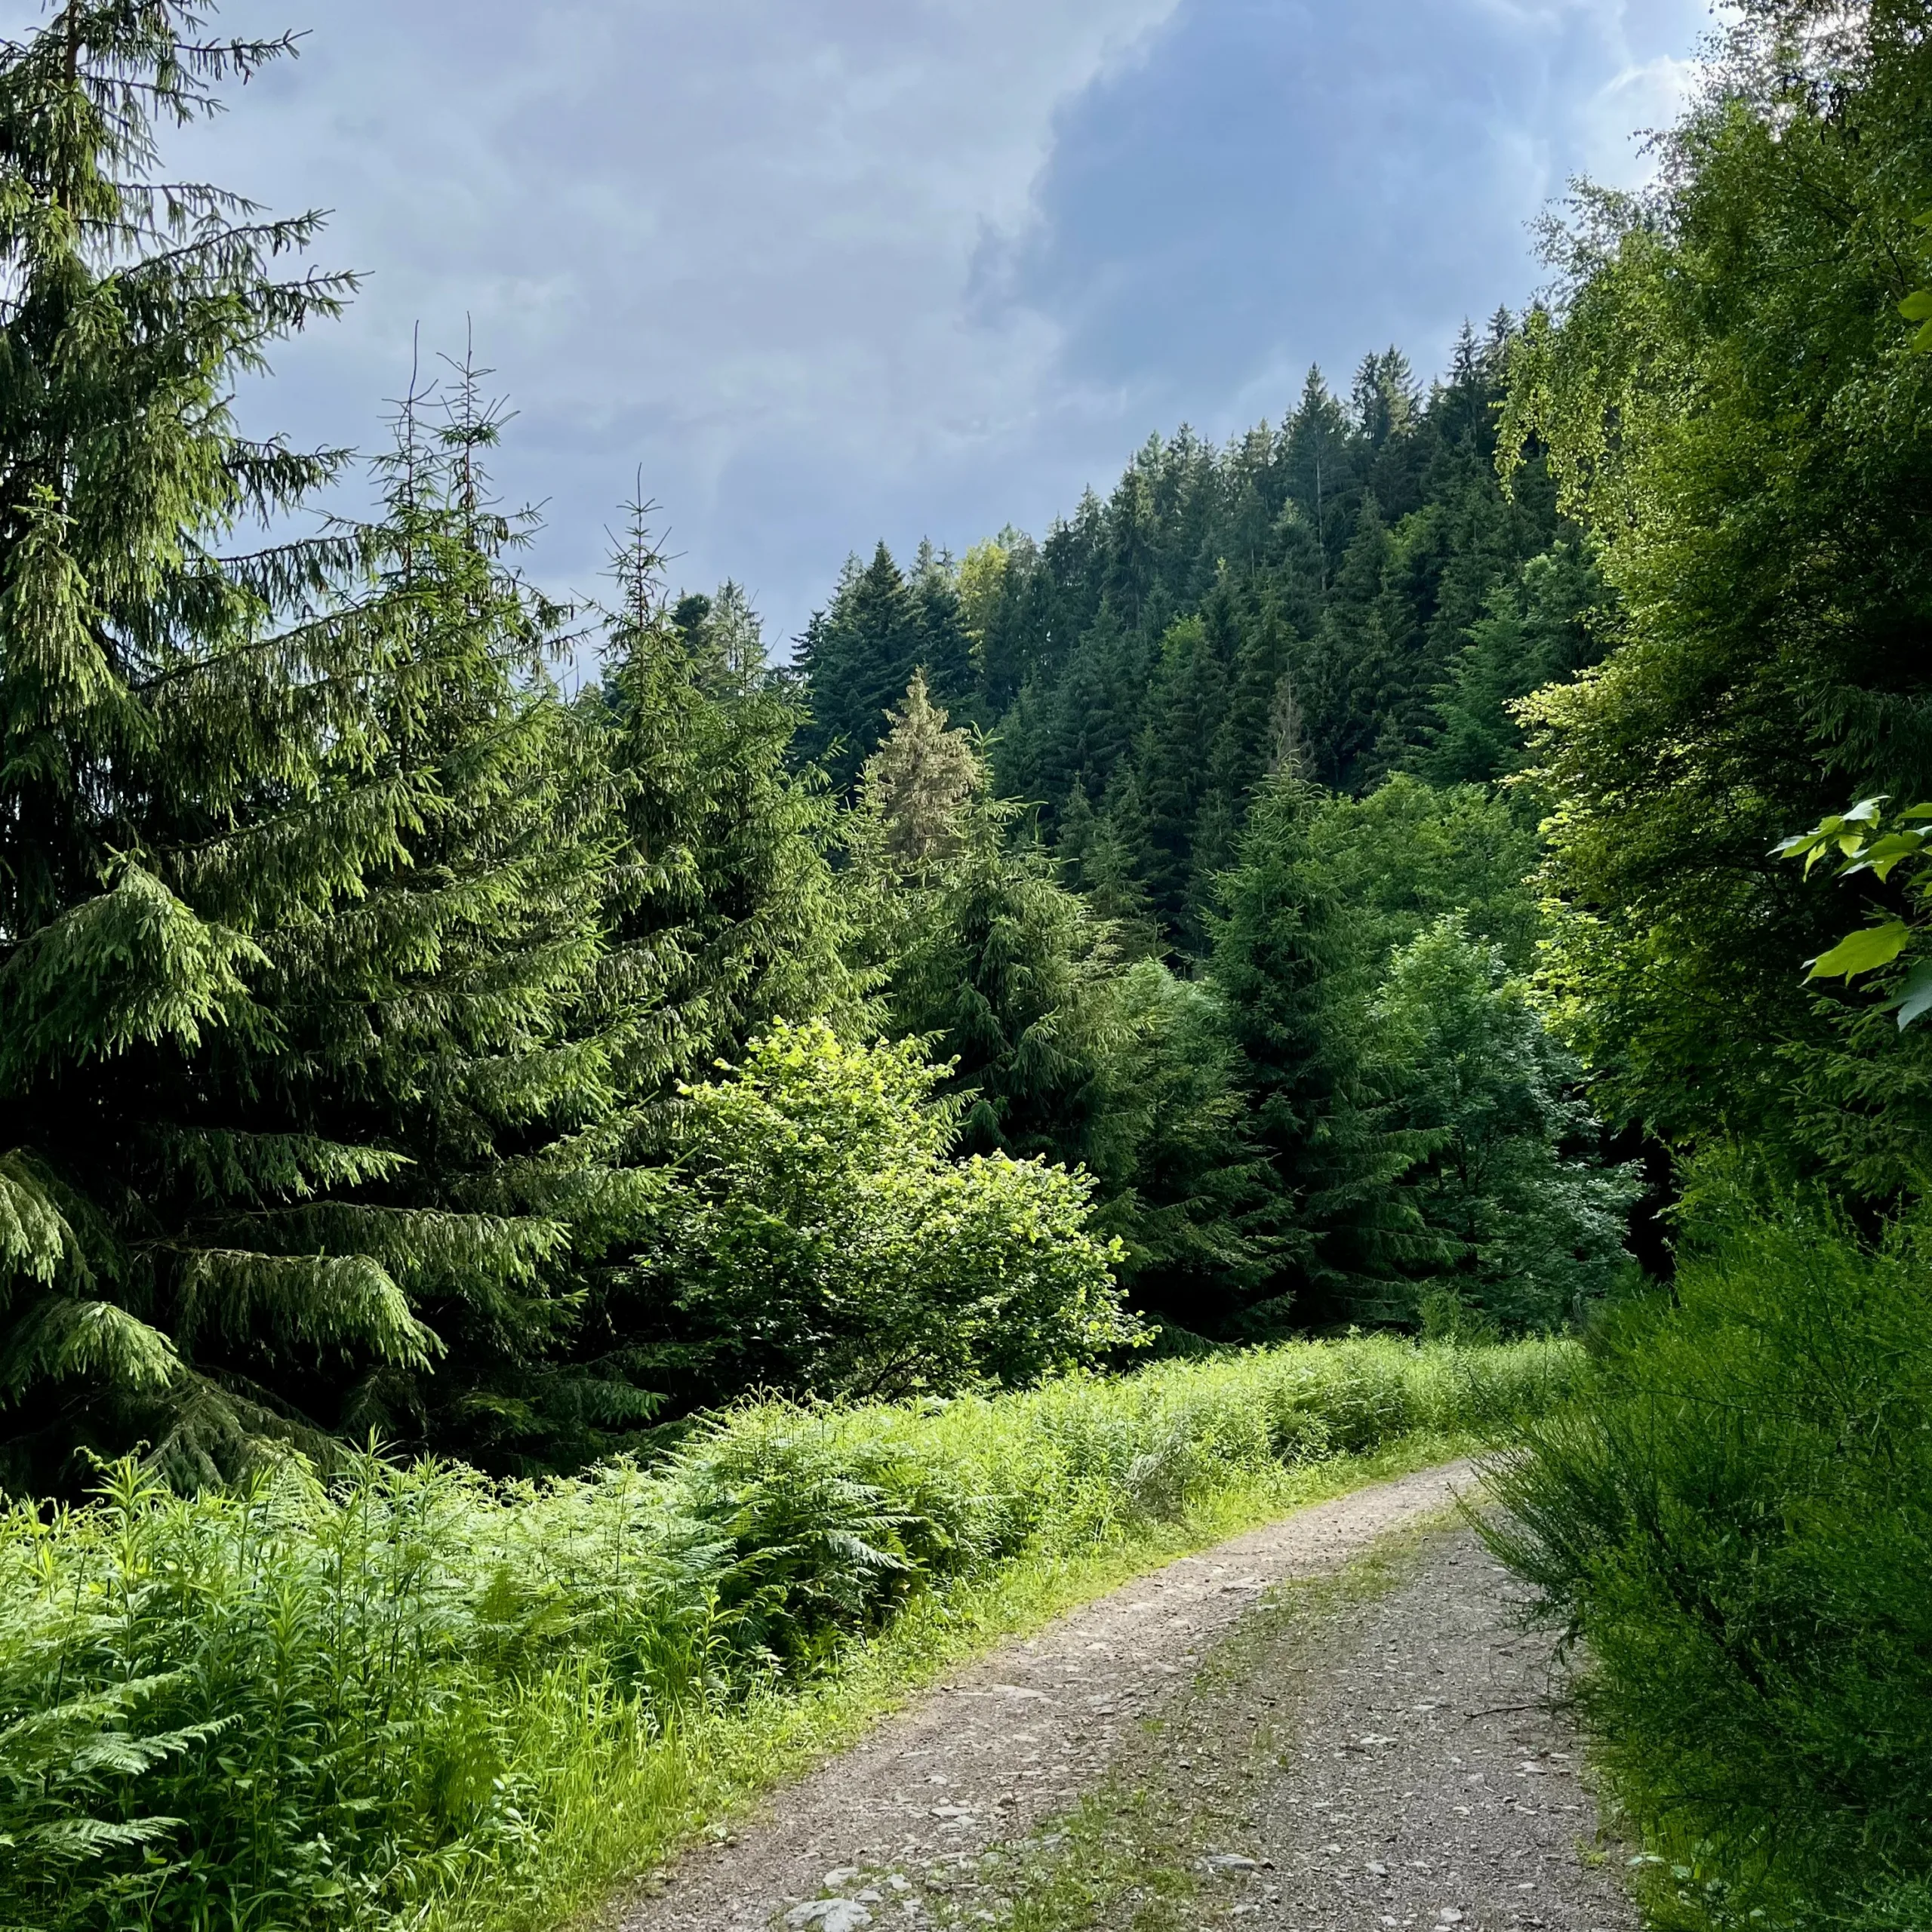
(1883, 854)
(1862, 951)
(1917, 307)
(1918, 1000)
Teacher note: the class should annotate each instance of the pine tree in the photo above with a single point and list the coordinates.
(1288, 961)
(296, 857)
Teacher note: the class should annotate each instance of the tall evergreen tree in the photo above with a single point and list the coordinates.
(296, 856)
(1288, 960)
(917, 792)
(859, 655)
(722, 917)
(723, 913)
(448, 1015)
(1541, 628)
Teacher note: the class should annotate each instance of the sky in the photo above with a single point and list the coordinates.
(810, 273)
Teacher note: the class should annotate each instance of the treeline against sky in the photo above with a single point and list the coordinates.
(1351, 595)
(396, 1045)
(1251, 717)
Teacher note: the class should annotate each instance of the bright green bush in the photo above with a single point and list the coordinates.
(310, 1704)
(812, 1235)
(1735, 1516)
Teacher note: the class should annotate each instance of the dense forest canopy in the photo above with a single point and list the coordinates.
(1349, 594)
(398, 1045)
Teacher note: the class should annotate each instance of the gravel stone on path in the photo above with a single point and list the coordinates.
(1428, 1778)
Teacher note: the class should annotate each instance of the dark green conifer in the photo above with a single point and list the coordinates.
(1541, 629)
(1288, 960)
(857, 658)
(296, 850)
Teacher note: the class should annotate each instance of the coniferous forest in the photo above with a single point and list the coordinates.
(534, 1124)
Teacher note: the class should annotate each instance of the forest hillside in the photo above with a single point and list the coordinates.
(561, 1168)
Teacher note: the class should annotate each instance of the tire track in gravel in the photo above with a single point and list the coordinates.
(1012, 1741)
(1401, 1760)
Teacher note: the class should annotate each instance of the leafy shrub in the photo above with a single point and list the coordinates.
(814, 1237)
(310, 1704)
(1736, 1518)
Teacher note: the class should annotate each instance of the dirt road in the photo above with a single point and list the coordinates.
(1391, 1761)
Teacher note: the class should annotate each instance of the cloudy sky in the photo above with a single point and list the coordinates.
(822, 271)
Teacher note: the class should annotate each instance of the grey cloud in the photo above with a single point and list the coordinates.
(827, 269)
(704, 235)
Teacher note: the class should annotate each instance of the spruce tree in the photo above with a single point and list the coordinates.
(162, 783)
(945, 651)
(1008, 973)
(294, 853)
(723, 913)
(1288, 961)
(857, 658)
(916, 789)
(1543, 628)
(475, 1053)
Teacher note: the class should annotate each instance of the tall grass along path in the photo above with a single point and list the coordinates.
(412, 1696)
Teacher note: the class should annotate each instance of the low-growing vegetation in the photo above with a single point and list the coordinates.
(1735, 1518)
(302, 1702)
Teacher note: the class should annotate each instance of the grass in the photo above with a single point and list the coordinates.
(414, 1696)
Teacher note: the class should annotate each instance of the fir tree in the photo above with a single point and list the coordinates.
(295, 855)
(1288, 961)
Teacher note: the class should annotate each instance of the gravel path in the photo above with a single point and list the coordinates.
(1391, 1764)
(1414, 1768)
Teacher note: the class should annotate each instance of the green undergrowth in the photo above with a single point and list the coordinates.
(1735, 1516)
(410, 1696)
